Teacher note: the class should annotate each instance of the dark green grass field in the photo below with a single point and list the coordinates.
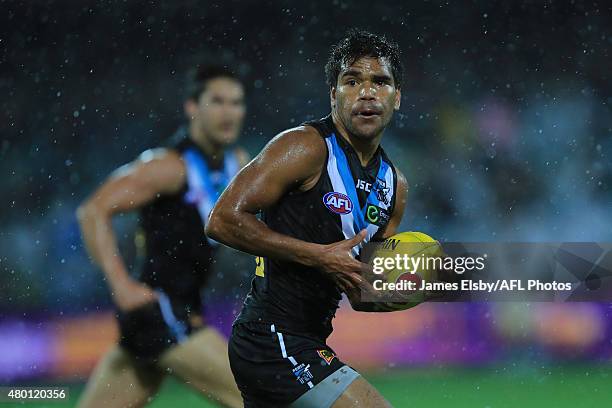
(575, 386)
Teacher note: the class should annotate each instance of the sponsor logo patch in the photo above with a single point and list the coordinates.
(326, 355)
(338, 202)
(363, 185)
(302, 373)
(376, 215)
(382, 191)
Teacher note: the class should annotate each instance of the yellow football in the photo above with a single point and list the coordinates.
(403, 258)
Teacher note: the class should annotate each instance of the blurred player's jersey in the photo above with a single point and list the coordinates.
(346, 199)
(176, 254)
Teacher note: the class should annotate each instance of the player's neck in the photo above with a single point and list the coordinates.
(365, 148)
(212, 150)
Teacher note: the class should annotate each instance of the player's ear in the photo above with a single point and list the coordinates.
(398, 99)
(190, 107)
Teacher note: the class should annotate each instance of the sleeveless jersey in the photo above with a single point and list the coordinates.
(176, 254)
(346, 199)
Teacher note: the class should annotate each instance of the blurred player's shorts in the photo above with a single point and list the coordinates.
(149, 330)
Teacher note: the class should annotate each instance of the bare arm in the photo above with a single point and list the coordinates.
(154, 173)
(293, 160)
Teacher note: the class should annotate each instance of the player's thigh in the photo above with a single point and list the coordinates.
(360, 394)
(118, 381)
(201, 361)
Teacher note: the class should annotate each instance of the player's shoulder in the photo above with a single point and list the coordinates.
(163, 162)
(303, 140)
(302, 134)
(160, 169)
(161, 156)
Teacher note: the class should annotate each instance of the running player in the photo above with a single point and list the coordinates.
(318, 187)
(174, 188)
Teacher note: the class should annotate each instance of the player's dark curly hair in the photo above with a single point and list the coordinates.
(359, 43)
(198, 78)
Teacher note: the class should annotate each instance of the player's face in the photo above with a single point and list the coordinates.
(365, 96)
(220, 111)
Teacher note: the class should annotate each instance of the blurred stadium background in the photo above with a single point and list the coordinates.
(505, 134)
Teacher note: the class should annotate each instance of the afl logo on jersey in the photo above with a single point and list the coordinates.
(338, 202)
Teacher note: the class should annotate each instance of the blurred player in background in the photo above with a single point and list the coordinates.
(323, 189)
(174, 188)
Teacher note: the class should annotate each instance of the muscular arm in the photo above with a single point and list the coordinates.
(293, 160)
(154, 173)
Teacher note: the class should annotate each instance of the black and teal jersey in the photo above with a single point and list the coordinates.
(347, 198)
(177, 255)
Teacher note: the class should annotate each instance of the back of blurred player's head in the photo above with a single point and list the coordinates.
(214, 104)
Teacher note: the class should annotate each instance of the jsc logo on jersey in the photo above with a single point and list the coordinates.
(338, 202)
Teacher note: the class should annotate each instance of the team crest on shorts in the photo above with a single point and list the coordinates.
(338, 202)
(326, 355)
(302, 373)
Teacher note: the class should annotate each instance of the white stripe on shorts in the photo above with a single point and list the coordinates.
(284, 350)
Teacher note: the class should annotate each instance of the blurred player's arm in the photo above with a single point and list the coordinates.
(154, 173)
(242, 156)
(292, 161)
(354, 294)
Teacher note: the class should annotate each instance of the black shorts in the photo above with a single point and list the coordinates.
(273, 368)
(149, 330)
